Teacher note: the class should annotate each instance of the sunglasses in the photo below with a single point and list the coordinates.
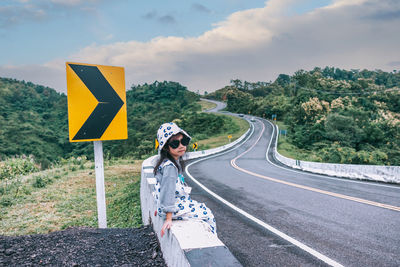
(175, 143)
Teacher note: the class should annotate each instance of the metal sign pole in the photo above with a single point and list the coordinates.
(100, 192)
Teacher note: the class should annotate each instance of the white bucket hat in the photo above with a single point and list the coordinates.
(167, 130)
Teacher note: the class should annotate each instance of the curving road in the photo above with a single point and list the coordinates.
(292, 218)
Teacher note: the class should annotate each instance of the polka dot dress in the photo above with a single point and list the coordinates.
(189, 209)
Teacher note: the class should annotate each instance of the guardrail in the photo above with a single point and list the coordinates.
(388, 174)
(188, 243)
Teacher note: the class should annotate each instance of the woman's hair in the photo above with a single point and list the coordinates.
(164, 154)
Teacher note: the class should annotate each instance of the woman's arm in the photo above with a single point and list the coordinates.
(167, 189)
(167, 223)
(167, 195)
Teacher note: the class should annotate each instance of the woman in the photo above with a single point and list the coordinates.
(172, 195)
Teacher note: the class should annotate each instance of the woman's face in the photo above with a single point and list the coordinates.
(180, 150)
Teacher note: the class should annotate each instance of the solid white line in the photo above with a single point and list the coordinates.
(348, 180)
(313, 189)
(261, 223)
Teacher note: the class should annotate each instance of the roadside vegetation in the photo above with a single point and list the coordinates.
(237, 128)
(331, 115)
(33, 201)
(206, 105)
(287, 149)
(54, 187)
(41, 202)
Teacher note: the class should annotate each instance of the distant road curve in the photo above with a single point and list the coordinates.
(350, 232)
(220, 105)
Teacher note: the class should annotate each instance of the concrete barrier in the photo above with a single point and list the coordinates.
(187, 243)
(389, 174)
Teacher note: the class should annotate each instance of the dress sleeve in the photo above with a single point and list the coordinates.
(168, 188)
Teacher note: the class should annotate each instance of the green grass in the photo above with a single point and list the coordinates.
(237, 128)
(65, 196)
(206, 105)
(291, 151)
(71, 201)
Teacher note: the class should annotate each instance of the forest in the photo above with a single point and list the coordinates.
(34, 121)
(341, 116)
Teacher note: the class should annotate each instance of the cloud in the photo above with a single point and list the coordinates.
(254, 45)
(385, 15)
(73, 2)
(25, 11)
(39, 74)
(13, 15)
(167, 19)
(200, 8)
(150, 15)
(394, 63)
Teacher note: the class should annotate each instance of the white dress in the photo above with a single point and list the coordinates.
(179, 202)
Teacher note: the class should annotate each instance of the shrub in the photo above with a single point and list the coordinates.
(20, 165)
(40, 182)
(6, 201)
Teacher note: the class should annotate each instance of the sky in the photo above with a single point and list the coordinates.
(200, 44)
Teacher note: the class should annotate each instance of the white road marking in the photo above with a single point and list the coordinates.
(254, 219)
(261, 223)
(347, 180)
(251, 217)
(309, 188)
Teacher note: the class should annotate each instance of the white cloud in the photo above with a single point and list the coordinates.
(39, 74)
(256, 45)
(26, 11)
(70, 2)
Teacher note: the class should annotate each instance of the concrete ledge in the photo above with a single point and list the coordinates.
(388, 174)
(212, 256)
(187, 243)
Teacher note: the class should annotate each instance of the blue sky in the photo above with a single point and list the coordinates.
(202, 44)
(65, 28)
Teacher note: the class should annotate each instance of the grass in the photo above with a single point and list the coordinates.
(71, 201)
(65, 196)
(206, 105)
(291, 151)
(222, 139)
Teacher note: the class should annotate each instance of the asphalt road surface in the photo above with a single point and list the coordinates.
(345, 222)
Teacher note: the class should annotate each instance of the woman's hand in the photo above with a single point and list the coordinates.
(167, 224)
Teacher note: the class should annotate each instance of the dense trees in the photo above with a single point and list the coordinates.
(344, 116)
(31, 116)
(33, 120)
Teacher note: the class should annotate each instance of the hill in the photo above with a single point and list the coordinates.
(334, 115)
(34, 121)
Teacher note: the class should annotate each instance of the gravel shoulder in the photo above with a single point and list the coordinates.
(82, 246)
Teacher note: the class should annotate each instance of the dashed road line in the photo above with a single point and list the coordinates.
(360, 200)
(291, 240)
(346, 180)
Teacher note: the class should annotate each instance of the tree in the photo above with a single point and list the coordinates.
(343, 129)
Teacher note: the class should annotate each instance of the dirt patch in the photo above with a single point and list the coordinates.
(83, 247)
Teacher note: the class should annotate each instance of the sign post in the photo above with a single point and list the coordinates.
(96, 112)
(195, 146)
(274, 117)
(100, 191)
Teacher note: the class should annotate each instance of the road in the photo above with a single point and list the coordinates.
(342, 222)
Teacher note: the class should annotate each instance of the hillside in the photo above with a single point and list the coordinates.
(333, 115)
(34, 121)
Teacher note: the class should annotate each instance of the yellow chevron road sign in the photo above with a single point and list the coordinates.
(96, 102)
(195, 145)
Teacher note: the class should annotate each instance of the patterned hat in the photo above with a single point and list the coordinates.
(167, 130)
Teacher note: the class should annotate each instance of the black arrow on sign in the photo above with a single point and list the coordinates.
(109, 102)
